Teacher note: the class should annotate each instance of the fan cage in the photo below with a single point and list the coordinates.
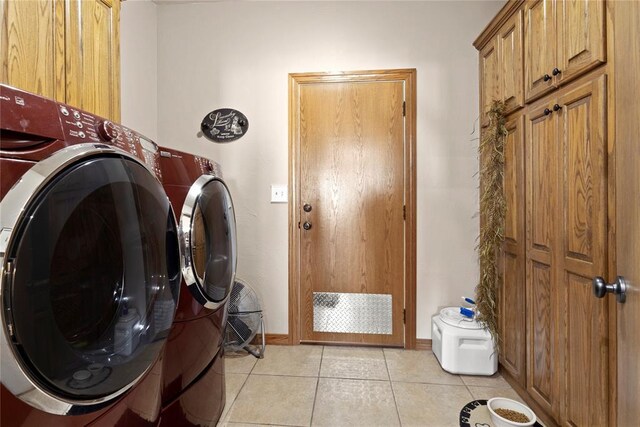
(244, 321)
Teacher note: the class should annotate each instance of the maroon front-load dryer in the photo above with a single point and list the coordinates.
(194, 392)
(89, 278)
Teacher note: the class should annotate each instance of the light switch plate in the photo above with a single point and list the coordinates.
(279, 194)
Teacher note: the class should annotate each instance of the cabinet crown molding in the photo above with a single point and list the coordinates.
(509, 8)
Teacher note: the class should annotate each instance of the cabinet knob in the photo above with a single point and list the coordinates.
(547, 111)
(618, 288)
(307, 207)
(546, 77)
(556, 71)
(306, 225)
(557, 107)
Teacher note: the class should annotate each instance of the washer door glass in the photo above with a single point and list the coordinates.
(96, 279)
(212, 243)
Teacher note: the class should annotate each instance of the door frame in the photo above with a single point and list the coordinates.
(408, 76)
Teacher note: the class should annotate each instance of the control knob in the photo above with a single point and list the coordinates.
(107, 131)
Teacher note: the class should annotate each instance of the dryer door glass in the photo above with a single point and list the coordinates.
(213, 243)
(96, 279)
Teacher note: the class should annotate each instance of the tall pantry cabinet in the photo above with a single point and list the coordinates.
(68, 50)
(556, 346)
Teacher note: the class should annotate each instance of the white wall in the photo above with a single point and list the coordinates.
(139, 66)
(239, 54)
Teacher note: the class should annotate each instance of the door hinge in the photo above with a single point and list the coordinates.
(404, 108)
(298, 224)
(404, 315)
(404, 212)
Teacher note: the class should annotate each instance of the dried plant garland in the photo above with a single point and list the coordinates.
(492, 214)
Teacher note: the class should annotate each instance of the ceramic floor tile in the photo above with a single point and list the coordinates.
(233, 384)
(298, 360)
(354, 362)
(430, 404)
(266, 399)
(343, 402)
(236, 364)
(417, 367)
(487, 393)
(495, 380)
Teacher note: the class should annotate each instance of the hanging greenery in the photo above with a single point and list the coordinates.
(492, 217)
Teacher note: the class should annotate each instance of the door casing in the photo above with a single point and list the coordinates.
(408, 76)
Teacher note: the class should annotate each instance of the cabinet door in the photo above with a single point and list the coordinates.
(512, 301)
(489, 85)
(584, 253)
(93, 52)
(32, 46)
(539, 47)
(581, 37)
(511, 63)
(541, 229)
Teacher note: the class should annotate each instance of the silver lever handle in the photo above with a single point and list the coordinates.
(619, 288)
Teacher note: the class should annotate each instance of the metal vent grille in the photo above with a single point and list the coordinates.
(352, 313)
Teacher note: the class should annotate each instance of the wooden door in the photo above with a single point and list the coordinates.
(581, 37)
(513, 301)
(627, 188)
(93, 52)
(511, 63)
(490, 79)
(32, 46)
(351, 145)
(539, 47)
(583, 253)
(541, 233)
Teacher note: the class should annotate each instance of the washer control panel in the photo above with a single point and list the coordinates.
(79, 126)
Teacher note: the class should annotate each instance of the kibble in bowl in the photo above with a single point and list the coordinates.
(508, 413)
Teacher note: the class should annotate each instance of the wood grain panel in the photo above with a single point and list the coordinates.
(541, 343)
(513, 291)
(511, 67)
(351, 169)
(539, 46)
(93, 68)
(513, 316)
(514, 180)
(581, 37)
(584, 145)
(490, 79)
(32, 46)
(541, 179)
(627, 187)
(627, 209)
(586, 367)
(584, 249)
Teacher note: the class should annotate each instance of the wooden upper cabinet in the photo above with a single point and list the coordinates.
(511, 63)
(32, 46)
(581, 37)
(539, 47)
(93, 56)
(563, 40)
(68, 50)
(490, 84)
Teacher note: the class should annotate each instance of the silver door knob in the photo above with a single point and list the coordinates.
(306, 225)
(619, 288)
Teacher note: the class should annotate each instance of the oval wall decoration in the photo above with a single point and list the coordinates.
(224, 125)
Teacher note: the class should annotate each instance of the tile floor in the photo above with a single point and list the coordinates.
(349, 386)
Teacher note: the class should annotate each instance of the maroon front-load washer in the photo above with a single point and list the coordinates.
(194, 391)
(90, 272)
